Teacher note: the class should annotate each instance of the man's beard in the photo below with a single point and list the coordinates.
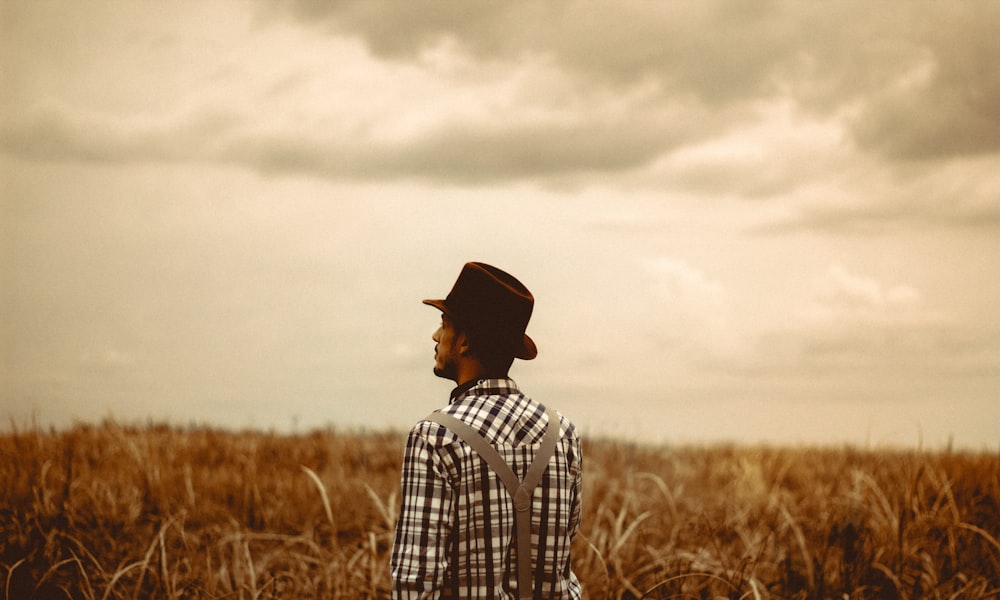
(448, 369)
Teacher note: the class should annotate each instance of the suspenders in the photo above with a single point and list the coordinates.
(519, 491)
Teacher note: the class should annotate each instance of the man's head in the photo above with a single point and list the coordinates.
(483, 320)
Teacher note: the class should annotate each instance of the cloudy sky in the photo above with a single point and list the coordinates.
(741, 221)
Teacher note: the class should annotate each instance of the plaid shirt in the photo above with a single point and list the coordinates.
(455, 533)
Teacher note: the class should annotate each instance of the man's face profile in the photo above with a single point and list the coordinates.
(445, 350)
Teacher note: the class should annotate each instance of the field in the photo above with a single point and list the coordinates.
(109, 511)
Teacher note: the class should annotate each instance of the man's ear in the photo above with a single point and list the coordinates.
(463, 343)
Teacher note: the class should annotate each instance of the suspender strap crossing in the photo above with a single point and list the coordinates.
(520, 491)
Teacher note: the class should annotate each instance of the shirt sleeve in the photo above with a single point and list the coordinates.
(419, 561)
(576, 514)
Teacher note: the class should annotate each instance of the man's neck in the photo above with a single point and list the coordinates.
(469, 369)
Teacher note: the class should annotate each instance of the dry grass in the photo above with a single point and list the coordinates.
(119, 512)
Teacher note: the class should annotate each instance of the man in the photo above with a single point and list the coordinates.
(457, 534)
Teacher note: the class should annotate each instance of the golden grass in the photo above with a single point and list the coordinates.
(114, 512)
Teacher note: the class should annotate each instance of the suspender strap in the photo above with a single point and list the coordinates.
(520, 491)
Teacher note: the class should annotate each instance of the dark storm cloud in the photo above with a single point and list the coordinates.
(904, 81)
(952, 105)
(827, 57)
(466, 152)
(717, 52)
(56, 131)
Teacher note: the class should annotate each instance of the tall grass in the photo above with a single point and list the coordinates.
(102, 512)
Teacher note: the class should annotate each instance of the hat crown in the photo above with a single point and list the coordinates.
(486, 296)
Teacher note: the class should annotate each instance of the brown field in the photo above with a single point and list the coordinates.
(156, 512)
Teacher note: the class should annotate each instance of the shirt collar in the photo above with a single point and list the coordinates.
(493, 386)
(455, 393)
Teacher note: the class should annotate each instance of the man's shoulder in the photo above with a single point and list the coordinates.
(499, 411)
(432, 432)
(568, 428)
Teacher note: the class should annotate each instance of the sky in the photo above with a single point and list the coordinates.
(741, 222)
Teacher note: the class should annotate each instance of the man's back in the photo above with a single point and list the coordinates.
(455, 537)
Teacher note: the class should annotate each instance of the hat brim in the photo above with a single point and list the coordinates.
(438, 304)
(527, 350)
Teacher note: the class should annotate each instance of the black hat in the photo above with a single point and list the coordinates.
(492, 303)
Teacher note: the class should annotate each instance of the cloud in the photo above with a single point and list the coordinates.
(855, 327)
(859, 198)
(716, 52)
(843, 298)
(771, 154)
(52, 130)
(920, 77)
(471, 153)
(684, 313)
(718, 100)
(528, 142)
(947, 102)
